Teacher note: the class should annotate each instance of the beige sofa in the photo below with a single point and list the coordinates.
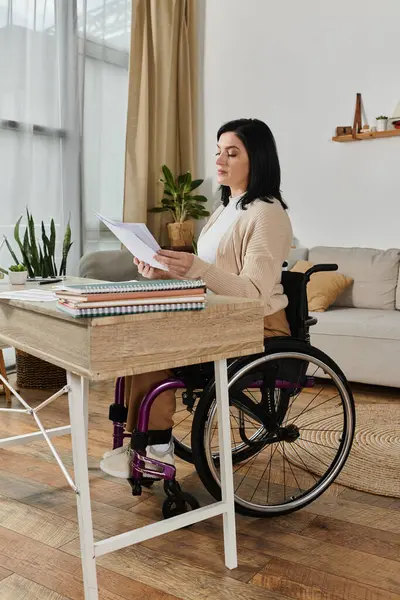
(361, 331)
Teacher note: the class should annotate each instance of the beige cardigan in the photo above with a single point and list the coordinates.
(250, 256)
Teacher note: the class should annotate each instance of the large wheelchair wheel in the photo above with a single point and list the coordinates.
(292, 413)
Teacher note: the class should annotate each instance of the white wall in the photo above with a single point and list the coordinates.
(298, 66)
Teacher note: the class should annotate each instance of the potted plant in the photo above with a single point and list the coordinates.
(184, 206)
(39, 258)
(17, 274)
(381, 123)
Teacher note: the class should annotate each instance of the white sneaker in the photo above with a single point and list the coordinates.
(117, 462)
(162, 452)
(115, 451)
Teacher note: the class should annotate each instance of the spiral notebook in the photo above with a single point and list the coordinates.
(128, 310)
(134, 286)
(74, 301)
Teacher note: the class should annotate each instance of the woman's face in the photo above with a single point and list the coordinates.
(233, 165)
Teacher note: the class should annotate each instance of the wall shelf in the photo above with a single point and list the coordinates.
(367, 136)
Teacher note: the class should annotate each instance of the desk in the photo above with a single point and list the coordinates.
(108, 347)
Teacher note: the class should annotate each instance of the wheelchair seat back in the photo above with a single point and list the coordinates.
(295, 288)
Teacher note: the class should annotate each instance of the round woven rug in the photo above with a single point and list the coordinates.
(374, 461)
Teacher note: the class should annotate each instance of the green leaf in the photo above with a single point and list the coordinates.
(188, 182)
(184, 182)
(24, 252)
(195, 184)
(169, 179)
(48, 255)
(14, 256)
(53, 245)
(167, 202)
(66, 248)
(52, 238)
(63, 267)
(16, 232)
(198, 198)
(43, 264)
(33, 246)
(3, 271)
(181, 180)
(158, 209)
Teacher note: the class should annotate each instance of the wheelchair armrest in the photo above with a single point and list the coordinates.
(311, 321)
(318, 269)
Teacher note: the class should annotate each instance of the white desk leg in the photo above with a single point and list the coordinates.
(78, 398)
(225, 453)
(85, 383)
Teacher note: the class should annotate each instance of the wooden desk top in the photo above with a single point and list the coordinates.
(107, 347)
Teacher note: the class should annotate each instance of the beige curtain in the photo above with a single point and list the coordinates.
(161, 103)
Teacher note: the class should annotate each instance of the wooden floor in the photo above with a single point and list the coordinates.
(345, 545)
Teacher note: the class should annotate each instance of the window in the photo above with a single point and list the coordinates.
(104, 31)
(63, 106)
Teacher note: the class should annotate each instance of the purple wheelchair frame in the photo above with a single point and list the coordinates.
(138, 467)
(165, 471)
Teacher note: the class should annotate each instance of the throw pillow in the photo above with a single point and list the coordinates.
(324, 287)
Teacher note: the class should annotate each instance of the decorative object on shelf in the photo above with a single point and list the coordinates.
(357, 123)
(395, 118)
(381, 123)
(17, 274)
(365, 132)
(344, 130)
(38, 259)
(179, 200)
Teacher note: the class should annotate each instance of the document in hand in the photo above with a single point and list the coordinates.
(137, 239)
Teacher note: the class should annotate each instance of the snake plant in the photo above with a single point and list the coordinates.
(39, 258)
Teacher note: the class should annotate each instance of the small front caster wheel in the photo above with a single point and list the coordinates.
(178, 505)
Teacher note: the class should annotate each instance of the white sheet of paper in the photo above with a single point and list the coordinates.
(137, 239)
(30, 295)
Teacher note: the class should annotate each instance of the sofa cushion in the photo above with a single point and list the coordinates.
(358, 322)
(324, 287)
(109, 265)
(375, 274)
(398, 292)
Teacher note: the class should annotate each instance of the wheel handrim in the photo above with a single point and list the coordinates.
(248, 494)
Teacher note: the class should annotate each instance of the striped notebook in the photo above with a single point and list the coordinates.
(129, 310)
(135, 286)
(74, 301)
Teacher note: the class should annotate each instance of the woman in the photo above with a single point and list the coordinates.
(240, 253)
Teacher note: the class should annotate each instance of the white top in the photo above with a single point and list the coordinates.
(208, 243)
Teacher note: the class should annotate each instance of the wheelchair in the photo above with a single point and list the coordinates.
(292, 418)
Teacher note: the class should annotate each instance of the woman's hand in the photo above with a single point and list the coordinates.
(178, 263)
(149, 272)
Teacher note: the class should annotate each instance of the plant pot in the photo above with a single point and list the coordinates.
(381, 124)
(181, 234)
(17, 277)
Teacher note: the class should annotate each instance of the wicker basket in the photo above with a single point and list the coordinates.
(37, 374)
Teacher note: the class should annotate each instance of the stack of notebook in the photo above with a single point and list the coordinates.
(104, 299)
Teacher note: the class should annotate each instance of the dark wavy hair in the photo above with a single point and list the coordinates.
(265, 170)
